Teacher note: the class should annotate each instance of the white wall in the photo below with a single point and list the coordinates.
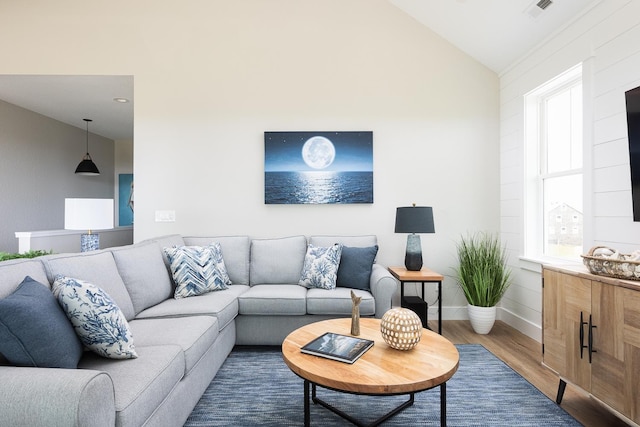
(65, 241)
(38, 157)
(212, 76)
(605, 40)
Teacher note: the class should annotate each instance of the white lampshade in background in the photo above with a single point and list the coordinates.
(88, 214)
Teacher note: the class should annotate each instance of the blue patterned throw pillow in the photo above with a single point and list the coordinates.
(320, 267)
(197, 269)
(97, 320)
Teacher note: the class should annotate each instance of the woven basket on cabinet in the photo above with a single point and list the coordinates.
(617, 268)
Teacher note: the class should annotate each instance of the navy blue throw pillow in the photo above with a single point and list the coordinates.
(355, 267)
(34, 331)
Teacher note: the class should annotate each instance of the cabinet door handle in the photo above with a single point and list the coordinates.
(582, 325)
(591, 328)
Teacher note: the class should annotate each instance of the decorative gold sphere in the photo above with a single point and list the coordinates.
(401, 328)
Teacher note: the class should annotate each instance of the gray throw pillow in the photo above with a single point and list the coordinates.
(34, 331)
(355, 267)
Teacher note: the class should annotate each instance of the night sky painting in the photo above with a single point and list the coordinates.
(318, 167)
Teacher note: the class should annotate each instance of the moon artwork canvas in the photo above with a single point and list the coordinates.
(318, 167)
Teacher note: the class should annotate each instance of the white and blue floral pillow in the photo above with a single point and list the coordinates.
(320, 268)
(197, 269)
(97, 320)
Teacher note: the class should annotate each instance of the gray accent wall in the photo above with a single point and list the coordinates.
(38, 157)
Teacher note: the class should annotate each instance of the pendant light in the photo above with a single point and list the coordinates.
(86, 166)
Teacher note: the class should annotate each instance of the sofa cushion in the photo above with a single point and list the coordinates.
(197, 270)
(13, 272)
(338, 302)
(235, 251)
(97, 320)
(320, 268)
(277, 261)
(194, 334)
(167, 242)
(355, 267)
(274, 300)
(96, 267)
(142, 384)
(34, 330)
(143, 272)
(221, 304)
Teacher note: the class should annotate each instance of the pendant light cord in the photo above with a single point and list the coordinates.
(87, 138)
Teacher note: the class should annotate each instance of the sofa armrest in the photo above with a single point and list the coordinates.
(383, 285)
(56, 397)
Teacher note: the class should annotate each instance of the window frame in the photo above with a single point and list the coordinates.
(535, 141)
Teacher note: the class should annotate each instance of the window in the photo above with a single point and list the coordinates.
(553, 137)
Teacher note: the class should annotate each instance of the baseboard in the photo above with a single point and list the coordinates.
(525, 326)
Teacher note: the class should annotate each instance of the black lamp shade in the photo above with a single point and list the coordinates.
(87, 167)
(414, 219)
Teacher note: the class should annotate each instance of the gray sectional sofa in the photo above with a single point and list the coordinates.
(180, 343)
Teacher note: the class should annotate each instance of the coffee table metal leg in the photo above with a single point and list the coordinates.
(352, 420)
(443, 404)
(307, 410)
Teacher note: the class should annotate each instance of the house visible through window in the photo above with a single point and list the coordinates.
(553, 135)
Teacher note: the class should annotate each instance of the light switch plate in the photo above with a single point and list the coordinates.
(165, 216)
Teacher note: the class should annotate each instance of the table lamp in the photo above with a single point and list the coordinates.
(414, 219)
(88, 214)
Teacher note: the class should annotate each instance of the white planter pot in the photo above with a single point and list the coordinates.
(482, 318)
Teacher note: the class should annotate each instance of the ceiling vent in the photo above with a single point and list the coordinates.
(536, 9)
(543, 4)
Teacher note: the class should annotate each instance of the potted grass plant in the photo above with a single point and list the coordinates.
(484, 277)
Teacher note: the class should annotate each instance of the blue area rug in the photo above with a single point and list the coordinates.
(254, 387)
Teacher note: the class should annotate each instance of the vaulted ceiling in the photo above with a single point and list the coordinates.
(494, 32)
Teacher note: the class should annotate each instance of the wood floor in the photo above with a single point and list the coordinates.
(524, 355)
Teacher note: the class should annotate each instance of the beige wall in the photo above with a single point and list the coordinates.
(211, 76)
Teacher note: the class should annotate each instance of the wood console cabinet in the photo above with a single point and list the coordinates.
(591, 336)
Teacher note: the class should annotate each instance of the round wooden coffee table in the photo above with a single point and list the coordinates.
(382, 370)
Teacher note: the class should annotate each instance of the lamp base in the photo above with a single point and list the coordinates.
(89, 242)
(413, 256)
